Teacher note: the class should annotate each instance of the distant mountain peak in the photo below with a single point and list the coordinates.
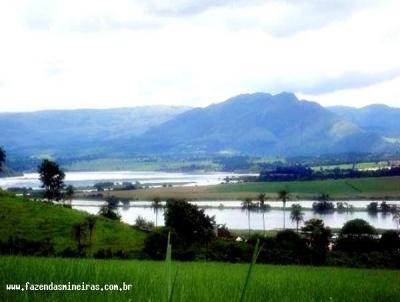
(286, 95)
(252, 123)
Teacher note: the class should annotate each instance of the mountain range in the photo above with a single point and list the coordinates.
(252, 124)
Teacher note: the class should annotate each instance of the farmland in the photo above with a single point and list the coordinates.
(357, 188)
(195, 281)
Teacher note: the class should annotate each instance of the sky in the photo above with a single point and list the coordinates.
(58, 54)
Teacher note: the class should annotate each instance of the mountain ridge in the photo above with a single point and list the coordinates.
(252, 123)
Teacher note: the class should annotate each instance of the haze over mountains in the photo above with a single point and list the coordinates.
(254, 124)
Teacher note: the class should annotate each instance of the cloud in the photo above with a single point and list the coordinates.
(285, 18)
(349, 80)
(385, 92)
(184, 8)
(276, 17)
(74, 54)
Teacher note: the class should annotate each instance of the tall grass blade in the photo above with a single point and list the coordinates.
(173, 287)
(168, 262)
(256, 252)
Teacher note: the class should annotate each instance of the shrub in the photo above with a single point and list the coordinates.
(373, 207)
(390, 241)
(155, 244)
(109, 213)
(143, 224)
(229, 251)
(323, 206)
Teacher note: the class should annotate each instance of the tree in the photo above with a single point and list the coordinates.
(2, 158)
(69, 193)
(52, 178)
(110, 209)
(261, 199)
(188, 222)
(247, 206)
(356, 228)
(296, 215)
(318, 238)
(284, 196)
(79, 232)
(91, 225)
(357, 236)
(385, 208)
(156, 206)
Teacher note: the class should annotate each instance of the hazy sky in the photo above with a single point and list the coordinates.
(102, 53)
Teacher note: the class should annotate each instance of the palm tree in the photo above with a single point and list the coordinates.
(248, 205)
(261, 199)
(396, 218)
(69, 193)
(91, 224)
(296, 215)
(284, 196)
(79, 234)
(156, 206)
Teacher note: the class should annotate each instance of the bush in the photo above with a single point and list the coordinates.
(229, 251)
(21, 246)
(323, 206)
(109, 213)
(373, 207)
(143, 224)
(287, 247)
(390, 241)
(364, 259)
(155, 244)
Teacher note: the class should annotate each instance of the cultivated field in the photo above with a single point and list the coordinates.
(361, 188)
(196, 281)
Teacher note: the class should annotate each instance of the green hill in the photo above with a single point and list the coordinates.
(33, 222)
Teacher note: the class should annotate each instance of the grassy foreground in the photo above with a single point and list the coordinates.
(195, 281)
(359, 188)
(33, 220)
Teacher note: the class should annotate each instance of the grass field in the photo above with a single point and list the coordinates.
(26, 219)
(361, 188)
(195, 281)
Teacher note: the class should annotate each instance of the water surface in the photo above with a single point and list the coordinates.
(87, 179)
(234, 217)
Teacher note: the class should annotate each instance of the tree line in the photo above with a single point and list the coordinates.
(304, 173)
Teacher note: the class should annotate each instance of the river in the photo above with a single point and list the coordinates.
(88, 179)
(231, 214)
